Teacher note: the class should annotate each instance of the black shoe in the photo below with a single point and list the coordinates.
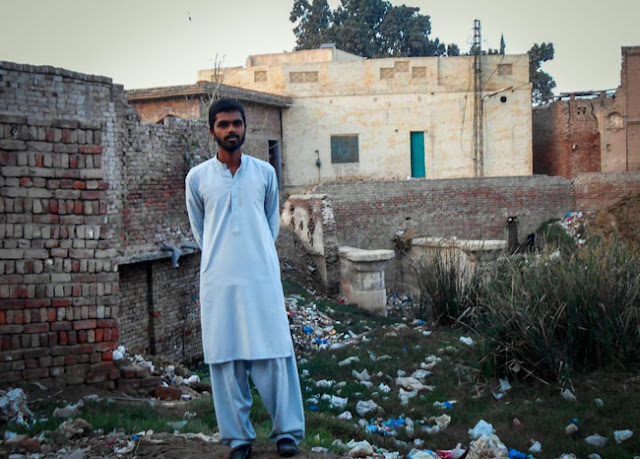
(287, 447)
(241, 452)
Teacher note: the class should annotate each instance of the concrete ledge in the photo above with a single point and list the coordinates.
(361, 255)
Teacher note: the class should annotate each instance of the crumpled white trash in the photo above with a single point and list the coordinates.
(482, 428)
(596, 440)
(365, 407)
(622, 435)
(360, 448)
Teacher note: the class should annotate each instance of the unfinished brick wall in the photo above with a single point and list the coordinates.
(566, 138)
(595, 191)
(85, 188)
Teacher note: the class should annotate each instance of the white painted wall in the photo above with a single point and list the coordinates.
(429, 94)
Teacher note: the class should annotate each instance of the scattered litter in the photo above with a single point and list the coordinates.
(568, 395)
(359, 448)
(535, 447)
(454, 453)
(388, 427)
(595, 456)
(482, 428)
(361, 376)
(596, 440)
(448, 405)
(177, 425)
(516, 422)
(466, 340)
(571, 429)
(384, 388)
(68, 411)
(599, 403)
(13, 407)
(348, 361)
(422, 454)
(76, 428)
(622, 435)
(324, 383)
(365, 407)
(338, 402)
(487, 446)
(345, 416)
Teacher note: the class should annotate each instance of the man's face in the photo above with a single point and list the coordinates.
(229, 131)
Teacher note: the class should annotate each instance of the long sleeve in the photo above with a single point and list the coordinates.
(272, 205)
(195, 208)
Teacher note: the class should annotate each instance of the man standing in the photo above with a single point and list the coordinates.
(232, 200)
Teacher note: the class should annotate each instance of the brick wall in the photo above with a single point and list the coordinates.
(159, 312)
(566, 138)
(59, 290)
(85, 188)
(595, 191)
(368, 214)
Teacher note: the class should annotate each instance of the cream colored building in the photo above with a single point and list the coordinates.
(353, 118)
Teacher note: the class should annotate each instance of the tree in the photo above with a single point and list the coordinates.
(314, 23)
(368, 28)
(543, 83)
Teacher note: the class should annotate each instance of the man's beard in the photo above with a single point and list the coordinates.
(230, 143)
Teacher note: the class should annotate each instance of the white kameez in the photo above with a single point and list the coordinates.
(235, 221)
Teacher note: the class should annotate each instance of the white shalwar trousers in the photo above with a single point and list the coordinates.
(278, 384)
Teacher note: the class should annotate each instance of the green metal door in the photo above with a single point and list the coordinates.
(417, 154)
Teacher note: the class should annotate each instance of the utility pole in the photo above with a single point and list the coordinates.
(477, 100)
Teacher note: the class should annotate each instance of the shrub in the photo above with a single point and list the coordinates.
(445, 281)
(554, 313)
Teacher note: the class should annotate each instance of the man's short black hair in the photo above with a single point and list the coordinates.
(226, 106)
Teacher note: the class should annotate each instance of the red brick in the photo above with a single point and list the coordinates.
(79, 185)
(106, 346)
(61, 326)
(26, 181)
(36, 373)
(36, 328)
(3, 318)
(107, 323)
(107, 356)
(60, 303)
(99, 334)
(78, 208)
(65, 135)
(19, 317)
(85, 324)
(53, 206)
(82, 336)
(167, 393)
(63, 338)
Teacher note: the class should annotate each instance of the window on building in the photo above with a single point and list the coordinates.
(344, 149)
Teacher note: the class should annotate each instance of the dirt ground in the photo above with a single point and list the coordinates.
(160, 445)
(621, 219)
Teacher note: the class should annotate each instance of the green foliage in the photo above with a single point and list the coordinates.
(554, 315)
(543, 83)
(445, 282)
(368, 28)
(554, 235)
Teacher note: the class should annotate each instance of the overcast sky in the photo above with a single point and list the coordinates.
(147, 43)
